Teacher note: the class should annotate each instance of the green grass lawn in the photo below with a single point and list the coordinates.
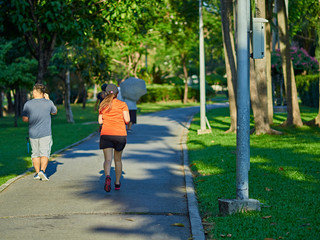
(284, 177)
(14, 156)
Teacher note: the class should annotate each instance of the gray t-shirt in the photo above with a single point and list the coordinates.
(39, 113)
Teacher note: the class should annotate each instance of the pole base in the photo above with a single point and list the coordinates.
(231, 206)
(204, 131)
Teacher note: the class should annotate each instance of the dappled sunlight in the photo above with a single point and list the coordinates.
(290, 173)
(259, 160)
(208, 170)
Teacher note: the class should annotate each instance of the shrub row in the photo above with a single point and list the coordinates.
(308, 89)
(161, 92)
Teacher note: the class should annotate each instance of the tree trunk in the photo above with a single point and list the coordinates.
(268, 59)
(10, 108)
(258, 85)
(84, 99)
(185, 73)
(16, 106)
(316, 120)
(40, 46)
(230, 60)
(1, 104)
(67, 104)
(293, 117)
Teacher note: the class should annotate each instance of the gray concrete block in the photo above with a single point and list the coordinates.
(231, 206)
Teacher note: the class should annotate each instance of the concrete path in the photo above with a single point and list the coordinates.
(73, 204)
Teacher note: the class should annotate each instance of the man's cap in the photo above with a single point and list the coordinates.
(111, 88)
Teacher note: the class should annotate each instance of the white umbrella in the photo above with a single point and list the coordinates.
(133, 88)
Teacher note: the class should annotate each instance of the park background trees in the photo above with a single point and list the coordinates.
(92, 42)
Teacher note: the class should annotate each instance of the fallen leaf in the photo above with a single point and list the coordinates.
(212, 141)
(177, 225)
(268, 189)
(266, 206)
(305, 224)
(265, 217)
(229, 235)
(207, 224)
(169, 214)
(130, 219)
(222, 235)
(200, 180)
(281, 169)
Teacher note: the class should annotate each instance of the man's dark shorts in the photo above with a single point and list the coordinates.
(133, 116)
(116, 142)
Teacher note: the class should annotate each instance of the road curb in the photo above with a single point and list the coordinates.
(197, 230)
(12, 180)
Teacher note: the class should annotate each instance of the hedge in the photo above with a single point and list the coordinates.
(308, 89)
(162, 92)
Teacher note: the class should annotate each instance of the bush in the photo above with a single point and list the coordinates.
(301, 61)
(216, 79)
(162, 92)
(308, 89)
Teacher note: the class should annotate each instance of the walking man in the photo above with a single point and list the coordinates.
(38, 113)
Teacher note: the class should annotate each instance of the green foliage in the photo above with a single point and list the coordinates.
(308, 89)
(139, 35)
(15, 72)
(213, 34)
(303, 21)
(283, 176)
(163, 92)
(216, 79)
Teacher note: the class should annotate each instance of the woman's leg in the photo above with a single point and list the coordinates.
(107, 160)
(118, 165)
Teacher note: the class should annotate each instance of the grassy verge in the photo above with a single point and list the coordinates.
(14, 156)
(284, 176)
(145, 108)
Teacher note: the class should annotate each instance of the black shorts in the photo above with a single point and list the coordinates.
(116, 142)
(133, 116)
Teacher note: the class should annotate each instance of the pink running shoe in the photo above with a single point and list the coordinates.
(107, 185)
(117, 186)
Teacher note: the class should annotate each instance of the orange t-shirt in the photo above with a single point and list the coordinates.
(113, 121)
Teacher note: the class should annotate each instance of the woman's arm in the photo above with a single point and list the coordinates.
(126, 117)
(100, 119)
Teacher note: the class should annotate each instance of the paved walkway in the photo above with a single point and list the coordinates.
(73, 204)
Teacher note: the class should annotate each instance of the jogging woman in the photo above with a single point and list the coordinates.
(113, 115)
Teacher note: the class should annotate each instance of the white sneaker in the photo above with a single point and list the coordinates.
(36, 177)
(43, 176)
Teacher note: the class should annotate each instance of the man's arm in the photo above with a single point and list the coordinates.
(55, 113)
(25, 119)
(46, 96)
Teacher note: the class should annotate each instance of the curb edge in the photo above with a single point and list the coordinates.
(197, 230)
